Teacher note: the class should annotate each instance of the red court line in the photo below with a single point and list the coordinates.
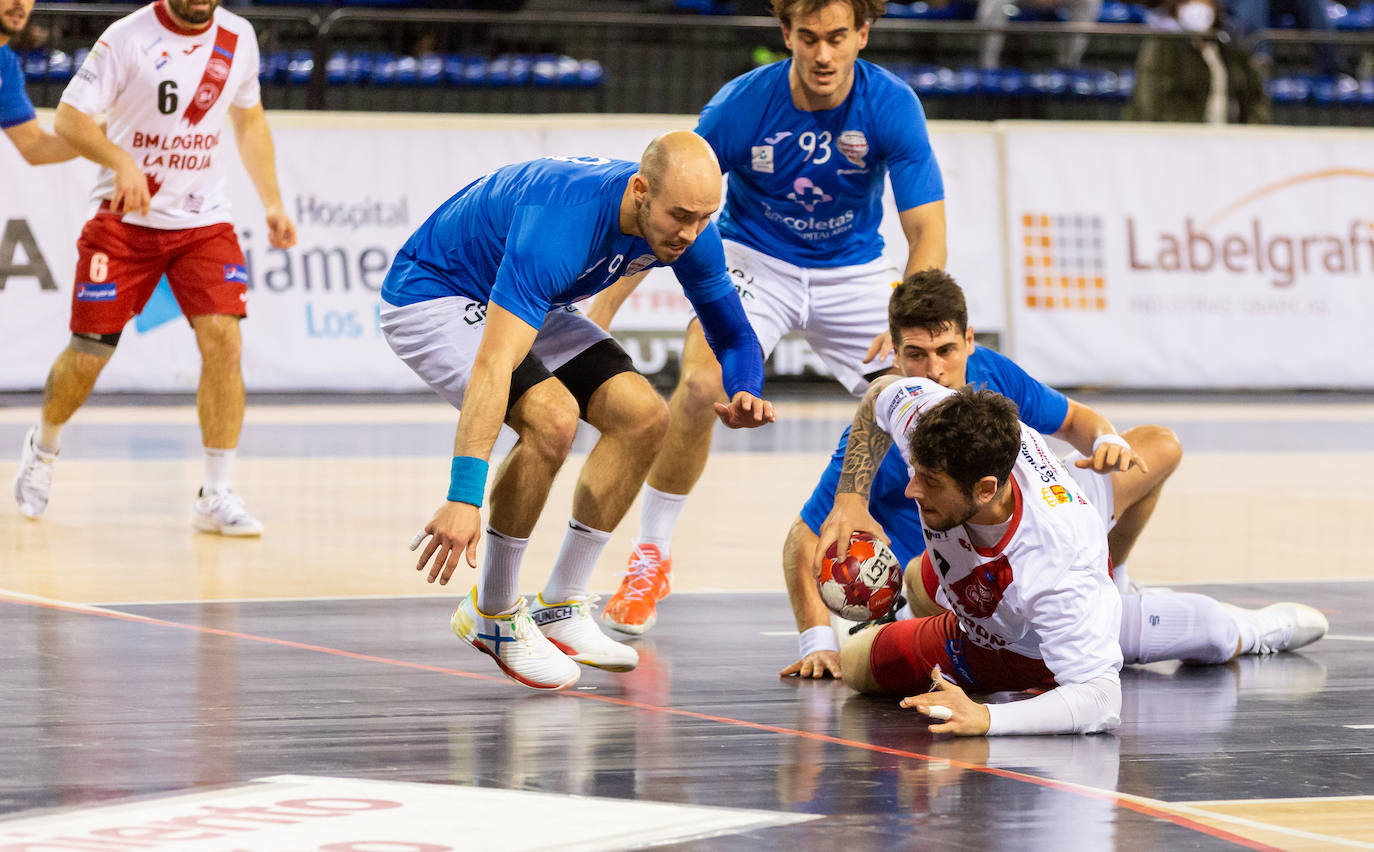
(1088, 792)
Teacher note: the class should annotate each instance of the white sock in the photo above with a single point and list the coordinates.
(498, 587)
(572, 571)
(1121, 579)
(218, 464)
(48, 438)
(1176, 626)
(657, 517)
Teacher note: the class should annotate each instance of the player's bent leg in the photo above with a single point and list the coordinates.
(855, 659)
(1177, 626)
(69, 383)
(633, 421)
(1285, 626)
(545, 419)
(692, 417)
(1135, 493)
(920, 586)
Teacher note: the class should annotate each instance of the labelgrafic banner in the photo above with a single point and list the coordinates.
(1220, 258)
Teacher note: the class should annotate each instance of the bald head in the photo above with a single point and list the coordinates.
(677, 189)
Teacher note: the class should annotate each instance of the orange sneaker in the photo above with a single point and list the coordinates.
(648, 579)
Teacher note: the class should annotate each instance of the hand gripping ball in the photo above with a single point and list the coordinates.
(864, 585)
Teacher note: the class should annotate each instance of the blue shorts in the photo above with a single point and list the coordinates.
(888, 502)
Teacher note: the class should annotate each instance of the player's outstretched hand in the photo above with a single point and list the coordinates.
(455, 529)
(281, 231)
(817, 664)
(848, 515)
(131, 191)
(1111, 453)
(746, 411)
(962, 716)
(881, 347)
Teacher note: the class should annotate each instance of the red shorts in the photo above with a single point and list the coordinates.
(904, 652)
(118, 266)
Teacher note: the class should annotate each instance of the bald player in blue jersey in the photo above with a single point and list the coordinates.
(808, 144)
(1122, 473)
(17, 117)
(479, 303)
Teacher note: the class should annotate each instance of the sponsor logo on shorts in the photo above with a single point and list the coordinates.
(854, 146)
(89, 291)
(236, 273)
(761, 158)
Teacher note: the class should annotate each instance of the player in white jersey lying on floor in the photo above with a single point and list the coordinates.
(1021, 576)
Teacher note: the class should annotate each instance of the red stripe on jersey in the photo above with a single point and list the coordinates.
(165, 18)
(216, 73)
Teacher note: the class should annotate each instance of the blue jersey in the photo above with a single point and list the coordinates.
(807, 187)
(535, 236)
(15, 106)
(1041, 407)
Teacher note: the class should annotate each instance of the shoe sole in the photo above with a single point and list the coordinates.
(212, 527)
(630, 629)
(577, 658)
(506, 670)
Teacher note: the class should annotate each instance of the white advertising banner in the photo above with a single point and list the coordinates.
(357, 186)
(1191, 258)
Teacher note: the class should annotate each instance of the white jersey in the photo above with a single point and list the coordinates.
(165, 92)
(1043, 590)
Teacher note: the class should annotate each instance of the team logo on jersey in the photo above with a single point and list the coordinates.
(979, 593)
(807, 194)
(235, 273)
(854, 146)
(206, 95)
(639, 264)
(88, 291)
(761, 158)
(1055, 495)
(777, 137)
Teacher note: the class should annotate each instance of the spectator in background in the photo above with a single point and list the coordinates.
(1248, 16)
(997, 12)
(1204, 79)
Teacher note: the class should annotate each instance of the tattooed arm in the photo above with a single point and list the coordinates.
(868, 443)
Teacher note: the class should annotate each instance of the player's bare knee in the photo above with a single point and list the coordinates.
(547, 421)
(218, 338)
(855, 669)
(90, 352)
(1160, 447)
(916, 595)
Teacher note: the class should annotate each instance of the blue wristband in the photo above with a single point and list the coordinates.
(467, 480)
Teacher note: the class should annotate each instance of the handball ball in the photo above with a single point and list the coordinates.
(864, 585)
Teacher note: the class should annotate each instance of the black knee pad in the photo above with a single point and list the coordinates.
(102, 345)
(591, 368)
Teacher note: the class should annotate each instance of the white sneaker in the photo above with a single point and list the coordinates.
(515, 643)
(570, 626)
(222, 512)
(1284, 626)
(33, 481)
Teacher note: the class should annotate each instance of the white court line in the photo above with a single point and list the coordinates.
(1341, 637)
(778, 633)
(1203, 814)
(1362, 728)
(1303, 799)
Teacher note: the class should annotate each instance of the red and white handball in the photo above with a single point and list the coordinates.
(864, 585)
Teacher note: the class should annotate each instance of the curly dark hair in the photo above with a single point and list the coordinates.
(864, 10)
(929, 299)
(970, 435)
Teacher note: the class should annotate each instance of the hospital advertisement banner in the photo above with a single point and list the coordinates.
(1191, 258)
(357, 186)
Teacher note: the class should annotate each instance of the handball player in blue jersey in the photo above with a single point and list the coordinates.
(479, 303)
(1122, 472)
(808, 144)
(17, 117)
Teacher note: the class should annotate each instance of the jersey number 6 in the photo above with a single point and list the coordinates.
(167, 97)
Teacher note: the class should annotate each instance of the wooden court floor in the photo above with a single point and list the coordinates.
(149, 668)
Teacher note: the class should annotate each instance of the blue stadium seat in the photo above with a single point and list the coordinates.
(1335, 90)
(1049, 82)
(1353, 19)
(1289, 90)
(299, 67)
(1116, 12)
(510, 69)
(383, 69)
(431, 70)
(272, 66)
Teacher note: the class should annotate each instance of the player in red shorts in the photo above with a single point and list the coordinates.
(166, 77)
(1019, 576)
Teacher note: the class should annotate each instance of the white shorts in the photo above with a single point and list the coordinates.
(1097, 487)
(438, 339)
(839, 311)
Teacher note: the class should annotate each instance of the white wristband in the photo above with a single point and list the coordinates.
(815, 639)
(1110, 438)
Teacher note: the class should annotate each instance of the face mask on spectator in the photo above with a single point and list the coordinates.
(1195, 16)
